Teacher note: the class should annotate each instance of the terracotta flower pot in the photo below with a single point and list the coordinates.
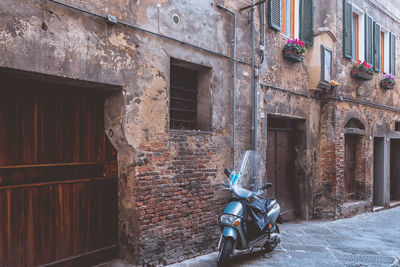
(292, 55)
(386, 85)
(361, 74)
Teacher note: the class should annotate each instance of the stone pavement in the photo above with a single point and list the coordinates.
(371, 239)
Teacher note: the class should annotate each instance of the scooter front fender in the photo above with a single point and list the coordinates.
(230, 232)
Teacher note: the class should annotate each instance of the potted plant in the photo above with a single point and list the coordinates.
(362, 71)
(334, 84)
(294, 50)
(388, 82)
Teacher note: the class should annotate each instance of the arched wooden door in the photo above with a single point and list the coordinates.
(350, 166)
(58, 176)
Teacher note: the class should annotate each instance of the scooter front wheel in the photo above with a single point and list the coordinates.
(225, 252)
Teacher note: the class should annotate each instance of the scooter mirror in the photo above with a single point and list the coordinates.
(227, 172)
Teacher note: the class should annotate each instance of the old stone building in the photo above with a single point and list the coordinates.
(117, 119)
(344, 139)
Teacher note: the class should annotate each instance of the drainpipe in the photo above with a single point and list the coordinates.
(234, 83)
(262, 33)
(254, 127)
(261, 48)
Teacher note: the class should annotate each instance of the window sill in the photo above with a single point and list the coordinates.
(189, 132)
(324, 85)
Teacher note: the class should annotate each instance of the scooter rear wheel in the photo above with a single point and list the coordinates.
(225, 252)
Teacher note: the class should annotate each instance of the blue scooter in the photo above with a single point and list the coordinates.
(248, 220)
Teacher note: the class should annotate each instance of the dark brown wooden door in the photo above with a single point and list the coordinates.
(280, 170)
(350, 166)
(394, 169)
(58, 177)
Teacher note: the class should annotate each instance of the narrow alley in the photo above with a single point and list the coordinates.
(365, 240)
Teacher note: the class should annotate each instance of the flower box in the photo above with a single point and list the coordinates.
(360, 74)
(294, 50)
(388, 82)
(386, 85)
(292, 55)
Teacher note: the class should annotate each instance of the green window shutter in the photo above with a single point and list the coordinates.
(274, 14)
(347, 29)
(392, 55)
(377, 47)
(369, 40)
(307, 21)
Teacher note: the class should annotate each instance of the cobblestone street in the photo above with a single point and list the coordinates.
(366, 240)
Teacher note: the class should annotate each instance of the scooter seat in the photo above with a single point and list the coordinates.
(271, 203)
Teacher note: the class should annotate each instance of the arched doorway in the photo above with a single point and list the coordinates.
(354, 131)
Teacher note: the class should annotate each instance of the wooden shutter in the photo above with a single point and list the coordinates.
(369, 40)
(274, 14)
(307, 21)
(347, 29)
(377, 47)
(392, 55)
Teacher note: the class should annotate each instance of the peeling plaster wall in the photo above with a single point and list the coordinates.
(323, 164)
(379, 121)
(294, 77)
(168, 180)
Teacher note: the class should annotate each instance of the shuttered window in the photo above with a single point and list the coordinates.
(307, 21)
(347, 29)
(288, 17)
(295, 18)
(369, 40)
(377, 47)
(274, 14)
(355, 37)
(383, 51)
(392, 57)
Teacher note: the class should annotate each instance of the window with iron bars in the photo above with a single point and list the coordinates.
(189, 96)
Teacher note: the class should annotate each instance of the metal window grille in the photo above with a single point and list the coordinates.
(183, 98)
(397, 126)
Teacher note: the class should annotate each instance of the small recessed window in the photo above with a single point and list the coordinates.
(397, 126)
(326, 64)
(190, 101)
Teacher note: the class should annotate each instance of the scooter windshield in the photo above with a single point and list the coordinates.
(240, 179)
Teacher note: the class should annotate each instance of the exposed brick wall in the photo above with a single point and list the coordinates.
(327, 188)
(177, 209)
(332, 203)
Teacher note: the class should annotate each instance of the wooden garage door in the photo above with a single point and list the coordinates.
(58, 176)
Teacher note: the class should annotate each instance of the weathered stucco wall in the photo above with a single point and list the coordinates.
(376, 107)
(168, 179)
(168, 197)
(325, 114)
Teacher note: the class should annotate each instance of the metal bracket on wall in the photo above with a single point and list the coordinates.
(111, 19)
(253, 5)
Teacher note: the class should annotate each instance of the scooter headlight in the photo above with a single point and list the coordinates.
(227, 219)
